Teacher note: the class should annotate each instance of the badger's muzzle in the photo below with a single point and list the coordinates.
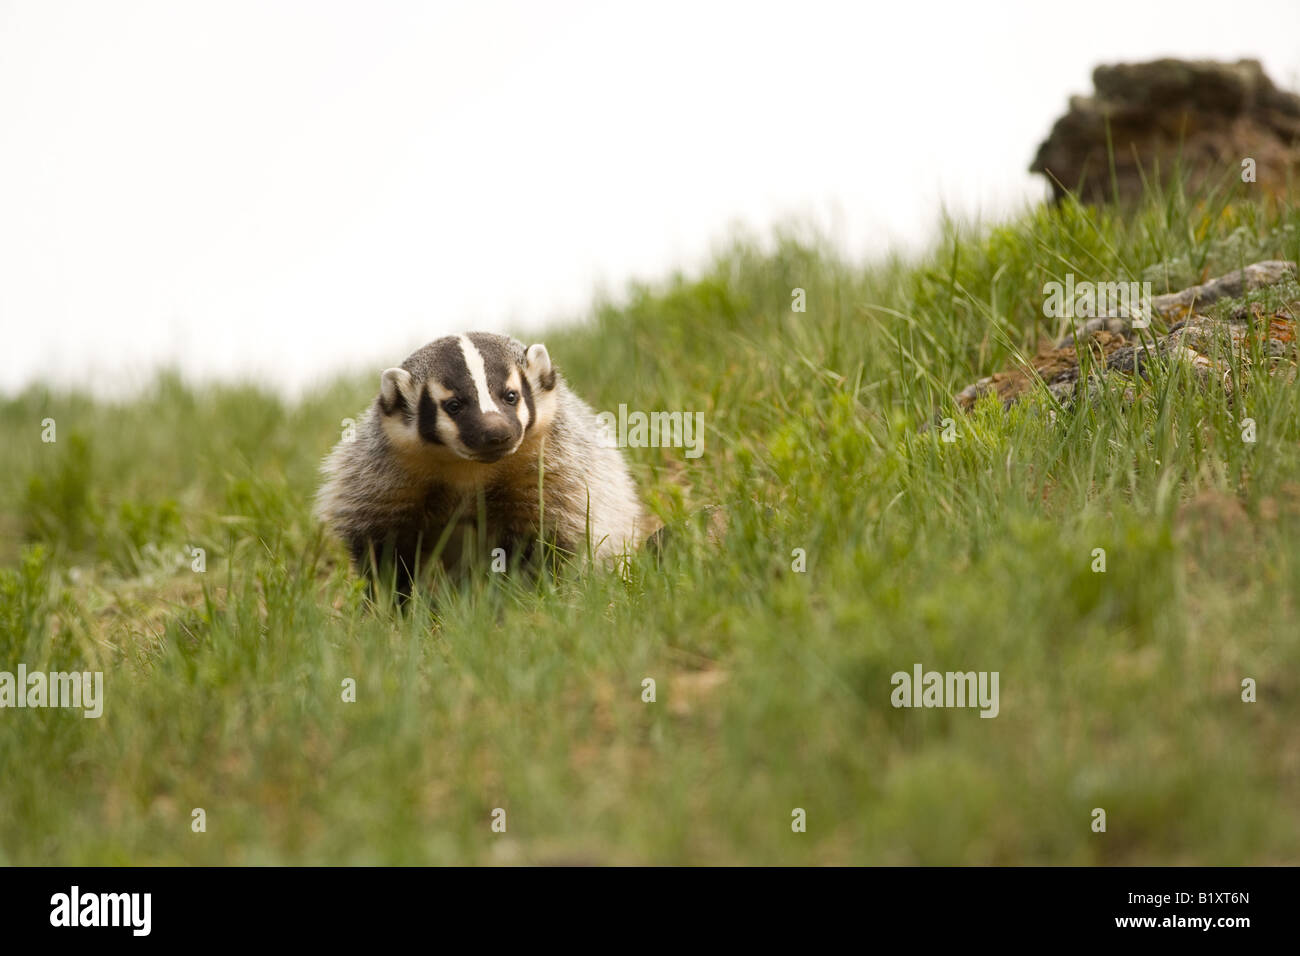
(493, 437)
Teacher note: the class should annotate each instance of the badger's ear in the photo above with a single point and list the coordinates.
(394, 389)
(537, 365)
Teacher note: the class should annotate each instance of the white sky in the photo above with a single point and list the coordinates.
(281, 190)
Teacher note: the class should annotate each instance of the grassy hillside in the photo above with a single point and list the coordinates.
(1118, 690)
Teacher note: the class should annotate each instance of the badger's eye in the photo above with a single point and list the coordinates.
(512, 397)
(452, 405)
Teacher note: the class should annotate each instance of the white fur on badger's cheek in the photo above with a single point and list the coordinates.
(545, 406)
(478, 374)
(450, 434)
(444, 424)
(520, 406)
(400, 433)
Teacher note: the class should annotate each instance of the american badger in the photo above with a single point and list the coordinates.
(476, 443)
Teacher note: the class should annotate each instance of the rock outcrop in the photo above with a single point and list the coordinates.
(1204, 117)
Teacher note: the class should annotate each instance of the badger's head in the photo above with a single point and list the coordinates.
(475, 397)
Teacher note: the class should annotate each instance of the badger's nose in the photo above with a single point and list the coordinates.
(496, 432)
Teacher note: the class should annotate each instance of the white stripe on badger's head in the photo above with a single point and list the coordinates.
(478, 375)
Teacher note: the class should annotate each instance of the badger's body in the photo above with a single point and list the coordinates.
(476, 443)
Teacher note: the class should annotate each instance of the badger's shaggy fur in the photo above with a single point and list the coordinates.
(476, 443)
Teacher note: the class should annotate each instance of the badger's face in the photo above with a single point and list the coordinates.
(474, 396)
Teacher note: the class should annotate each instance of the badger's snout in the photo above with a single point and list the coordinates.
(493, 439)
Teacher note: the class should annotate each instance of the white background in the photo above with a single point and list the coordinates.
(278, 191)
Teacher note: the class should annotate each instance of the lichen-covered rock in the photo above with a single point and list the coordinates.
(1179, 330)
(1179, 305)
(1206, 117)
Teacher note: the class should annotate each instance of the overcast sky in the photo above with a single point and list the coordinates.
(278, 191)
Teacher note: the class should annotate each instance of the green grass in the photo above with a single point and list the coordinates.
(1118, 690)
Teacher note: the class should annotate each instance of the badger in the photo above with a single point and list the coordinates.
(476, 443)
